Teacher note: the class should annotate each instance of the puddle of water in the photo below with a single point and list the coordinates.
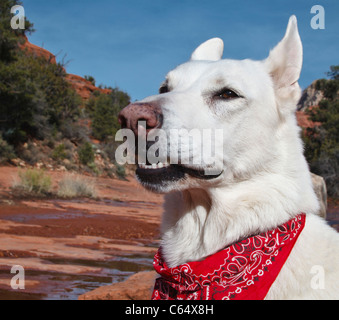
(110, 202)
(60, 286)
(128, 204)
(17, 295)
(72, 214)
(128, 263)
(24, 217)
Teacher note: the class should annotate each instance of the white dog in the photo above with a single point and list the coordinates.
(263, 179)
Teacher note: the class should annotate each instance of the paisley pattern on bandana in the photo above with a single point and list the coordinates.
(244, 270)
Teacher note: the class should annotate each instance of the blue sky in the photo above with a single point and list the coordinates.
(132, 44)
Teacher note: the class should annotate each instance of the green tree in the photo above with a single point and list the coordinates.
(86, 153)
(34, 94)
(35, 97)
(6, 151)
(90, 79)
(333, 73)
(9, 38)
(104, 111)
(322, 141)
(13, 89)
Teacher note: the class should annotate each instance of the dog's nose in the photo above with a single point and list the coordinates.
(150, 115)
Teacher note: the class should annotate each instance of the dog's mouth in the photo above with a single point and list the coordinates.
(163, 173)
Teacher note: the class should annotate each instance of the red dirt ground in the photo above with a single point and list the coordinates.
(72, 239)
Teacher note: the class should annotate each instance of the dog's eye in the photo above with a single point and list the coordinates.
(226, 94)
(163, 89)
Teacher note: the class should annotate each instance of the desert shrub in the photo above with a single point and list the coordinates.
(33, 181)
(74, 131)
(49, 142)
(109, 148)
(120, 171)
(90, 79)
(6, 151)
(86, 153)
(59, 152)
(94, 169)
(32, 154)
(69, 149)
(73, 186)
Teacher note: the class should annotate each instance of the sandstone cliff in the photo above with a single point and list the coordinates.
(310, 97)
(83, 87)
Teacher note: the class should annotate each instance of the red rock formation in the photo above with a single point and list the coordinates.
(37, 51)
(83, 87)
(137, 287)
(304, 120)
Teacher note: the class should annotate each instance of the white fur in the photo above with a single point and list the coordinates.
(209, 50)
(265, 179)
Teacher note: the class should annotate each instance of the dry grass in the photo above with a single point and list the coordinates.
(33, 181)
(73, 186)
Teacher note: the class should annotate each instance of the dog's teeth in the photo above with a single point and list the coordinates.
(160, 165)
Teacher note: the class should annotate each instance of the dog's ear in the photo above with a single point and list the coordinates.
(209, 50)
(284, 62)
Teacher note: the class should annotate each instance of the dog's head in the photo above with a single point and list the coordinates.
(217, 121)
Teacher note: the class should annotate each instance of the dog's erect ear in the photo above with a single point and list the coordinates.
(285, 60)
(209, 50)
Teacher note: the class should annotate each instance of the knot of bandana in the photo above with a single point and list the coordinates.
(244, 270)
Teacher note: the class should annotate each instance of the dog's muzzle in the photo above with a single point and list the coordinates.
(154, 175)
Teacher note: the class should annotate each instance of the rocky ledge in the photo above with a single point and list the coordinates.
(137, 287)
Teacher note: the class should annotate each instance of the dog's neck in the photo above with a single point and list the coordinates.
(198, 222)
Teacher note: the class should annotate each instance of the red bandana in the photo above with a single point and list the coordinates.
(242, 271)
